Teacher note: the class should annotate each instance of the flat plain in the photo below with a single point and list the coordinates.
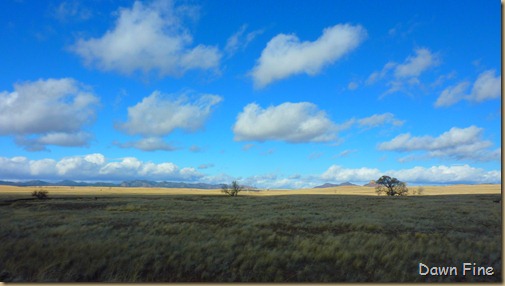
(340, 234)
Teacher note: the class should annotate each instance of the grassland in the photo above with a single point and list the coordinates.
(164, 235)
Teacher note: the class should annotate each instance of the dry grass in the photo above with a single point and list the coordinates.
(126, 235)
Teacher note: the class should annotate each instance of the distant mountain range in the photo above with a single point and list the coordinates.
(328, 185)
(372, 183)
(125, 184)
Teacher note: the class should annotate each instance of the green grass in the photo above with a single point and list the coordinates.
(255, 239)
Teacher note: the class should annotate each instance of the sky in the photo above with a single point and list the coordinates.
(274, 94)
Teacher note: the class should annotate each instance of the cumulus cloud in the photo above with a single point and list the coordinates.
(147, 144)
(159, 114)
(285, 55)
(148, 37)
(487, 86)
(290, 122)
(419, 175)
(48, 112)
(93, 167)
(297, 123)
(457, 143)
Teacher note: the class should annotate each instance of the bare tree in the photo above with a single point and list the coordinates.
(232, 190)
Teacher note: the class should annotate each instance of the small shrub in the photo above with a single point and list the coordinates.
(420, 190)
(42, 194)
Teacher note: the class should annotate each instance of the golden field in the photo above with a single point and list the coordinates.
(344, 190)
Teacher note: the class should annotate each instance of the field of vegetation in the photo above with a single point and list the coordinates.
(133, 237)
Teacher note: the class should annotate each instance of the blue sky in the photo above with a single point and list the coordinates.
(275, 94)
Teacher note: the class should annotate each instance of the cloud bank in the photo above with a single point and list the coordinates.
(96, 167)
(442, 174)
(93, 167)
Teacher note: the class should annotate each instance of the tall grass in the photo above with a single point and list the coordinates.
(252, 239)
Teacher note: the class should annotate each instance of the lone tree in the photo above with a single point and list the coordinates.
(391, 186)
(232, 190)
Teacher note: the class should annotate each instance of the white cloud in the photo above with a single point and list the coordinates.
(274, 181)
(297, 123)
(80, 166)
(487, 86)
(452, 94)
(285, 55)
(380, 119)
(159, 114)
(290, 122)
(415, 65)
(400, 76)
(240, 40)
(93, 167)
(55, 138)
(375, 76)
(15, 167)
(448, 175)
(337, 173)
(48, 112)
(148, 37)
(43, 167)
(148, 144)
(457, 143)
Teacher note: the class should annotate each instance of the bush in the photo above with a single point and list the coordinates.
(232, 190)
(391, 186)
(42, 194)
(420, 190)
